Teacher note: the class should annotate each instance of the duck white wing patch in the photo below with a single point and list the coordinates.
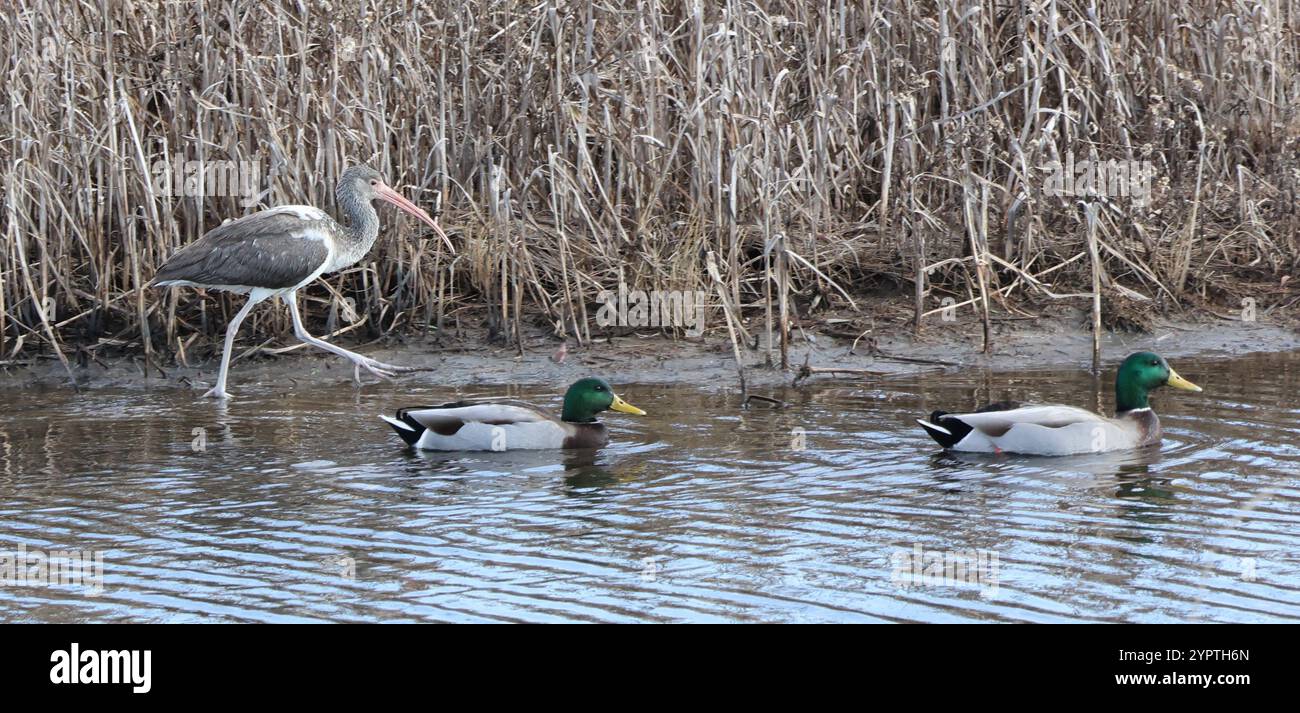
(996, 423)
(474, 436)
(487, 427)
(1029, 438)
(495, 414)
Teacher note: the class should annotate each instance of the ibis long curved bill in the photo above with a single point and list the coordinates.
(383, 192)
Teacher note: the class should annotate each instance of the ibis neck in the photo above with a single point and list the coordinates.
(363, 221)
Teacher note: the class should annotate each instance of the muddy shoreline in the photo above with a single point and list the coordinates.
(886, 348)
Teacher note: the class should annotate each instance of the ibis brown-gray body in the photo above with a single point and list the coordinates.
(277, 252)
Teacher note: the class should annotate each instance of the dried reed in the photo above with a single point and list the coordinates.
(876, 145)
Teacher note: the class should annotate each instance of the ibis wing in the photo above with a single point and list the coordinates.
(276, 249)
(997, 423)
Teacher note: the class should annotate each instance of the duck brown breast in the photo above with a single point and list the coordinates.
(586, 435)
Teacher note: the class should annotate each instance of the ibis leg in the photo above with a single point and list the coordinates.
(219, 391)
(378, 368)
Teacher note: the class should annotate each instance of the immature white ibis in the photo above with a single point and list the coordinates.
(277, 252)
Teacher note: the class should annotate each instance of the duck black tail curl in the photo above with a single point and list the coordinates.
(408, 428)
(948, 432)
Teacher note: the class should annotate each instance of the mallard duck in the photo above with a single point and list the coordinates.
(1054, 430)
(499, 426)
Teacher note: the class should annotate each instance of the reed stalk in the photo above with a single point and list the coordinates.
(572, 145)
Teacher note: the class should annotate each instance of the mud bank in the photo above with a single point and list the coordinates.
(886, 349)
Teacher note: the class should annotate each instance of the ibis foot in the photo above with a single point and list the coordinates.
(378, 368)
(216, 392)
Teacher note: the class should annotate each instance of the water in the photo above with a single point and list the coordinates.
(303, 507)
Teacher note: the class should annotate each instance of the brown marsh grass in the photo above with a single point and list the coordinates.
(773, 152)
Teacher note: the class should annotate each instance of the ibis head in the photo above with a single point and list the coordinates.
(362, 185)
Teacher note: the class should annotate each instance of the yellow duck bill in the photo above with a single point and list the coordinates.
(1179, 382)
(624, 407)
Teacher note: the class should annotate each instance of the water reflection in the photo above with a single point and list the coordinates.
(1115, 464)
(299, 505)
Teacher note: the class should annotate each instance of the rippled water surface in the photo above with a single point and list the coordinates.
(301, 506)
